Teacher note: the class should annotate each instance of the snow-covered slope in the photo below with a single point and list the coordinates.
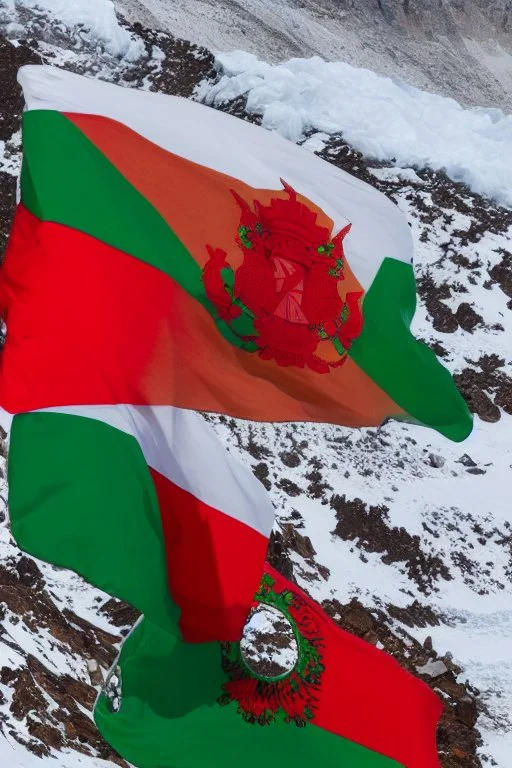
(382, 118)
(405, 538)
(460, 48)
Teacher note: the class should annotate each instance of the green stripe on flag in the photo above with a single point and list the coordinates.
(81, 497)
(402, 366)
(67, 180)
(169, 717)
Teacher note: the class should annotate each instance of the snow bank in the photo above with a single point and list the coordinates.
(97, 18)
(382, 117)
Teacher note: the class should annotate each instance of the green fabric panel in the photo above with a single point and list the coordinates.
(169, 717)
(67, 180)
(81, 497)
(407, 370)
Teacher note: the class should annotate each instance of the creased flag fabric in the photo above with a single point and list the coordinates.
(144, 503)
(281, 287)
(166, 258)
(345, 703)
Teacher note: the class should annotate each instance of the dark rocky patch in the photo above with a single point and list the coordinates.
(317, 487)
(279, 557)
(502, 273)
(11, 100)
(256, 450)
(63, 727)
(443, 319)
(486, 389)
(414, 615)
(33, 604)
(120, 614)
(290, 459)
(289, 487)
(467, 318)
(369, 528)
(11, 105)
(261, 472)
(183, 66)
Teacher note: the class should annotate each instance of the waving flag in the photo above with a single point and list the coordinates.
(166, 258)
(345, 703)
(215, 267)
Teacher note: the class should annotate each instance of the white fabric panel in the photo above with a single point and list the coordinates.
(183, 447)
(241, 150)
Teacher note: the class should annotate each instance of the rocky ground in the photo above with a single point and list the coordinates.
(404, 538)
(461, 48)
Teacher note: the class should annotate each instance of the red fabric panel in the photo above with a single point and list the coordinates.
(214, 564)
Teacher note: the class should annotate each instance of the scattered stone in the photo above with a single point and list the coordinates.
(436, 460)
(95, 673)
(466, 460)
(433, 668)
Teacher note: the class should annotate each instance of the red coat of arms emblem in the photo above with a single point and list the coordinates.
(283, 301)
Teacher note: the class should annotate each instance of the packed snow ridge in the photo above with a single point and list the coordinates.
(96, 18)
(382, 117)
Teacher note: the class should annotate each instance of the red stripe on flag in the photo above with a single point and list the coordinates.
(88, 324)
(364, 695)
(214, 564)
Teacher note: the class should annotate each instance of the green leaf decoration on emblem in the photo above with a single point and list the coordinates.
(327, 248)
(244, 233)
(228, 278)
(338, 346)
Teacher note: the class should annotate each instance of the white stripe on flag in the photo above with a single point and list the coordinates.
(183, 447)
(239, 149)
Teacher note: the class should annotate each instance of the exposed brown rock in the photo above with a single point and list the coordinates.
(370, 530)
(289, 487)
(293, 540)
(467, 318)
(502, 273)
(278, 557)
(120, 614)
(261, 472)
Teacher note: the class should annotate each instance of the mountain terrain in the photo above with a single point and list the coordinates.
(461, 48)
(404, 538)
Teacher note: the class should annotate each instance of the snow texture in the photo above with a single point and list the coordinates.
(458, 509)
(95, 19)
(382, 117)
(458, 48)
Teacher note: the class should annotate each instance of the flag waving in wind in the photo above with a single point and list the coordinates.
(166, 258)
(281, 287)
